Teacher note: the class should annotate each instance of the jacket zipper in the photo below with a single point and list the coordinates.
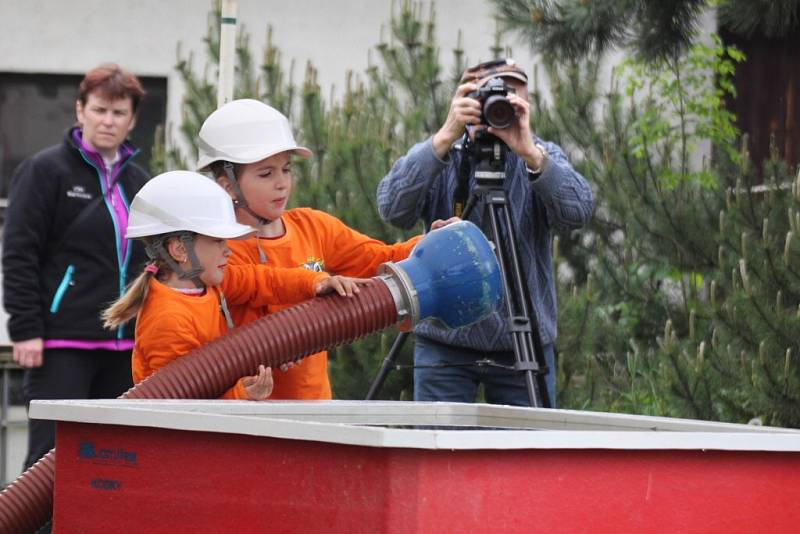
(122, 263)
(62, 288)
(123, 270)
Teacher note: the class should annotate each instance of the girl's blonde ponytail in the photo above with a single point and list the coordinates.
(129, 304)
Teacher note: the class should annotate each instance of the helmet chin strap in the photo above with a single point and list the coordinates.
(240, 202)
(156, 250)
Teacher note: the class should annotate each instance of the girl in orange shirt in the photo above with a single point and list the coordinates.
(181, 300)
(248, 145)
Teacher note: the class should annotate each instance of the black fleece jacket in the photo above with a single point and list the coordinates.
(61, 265)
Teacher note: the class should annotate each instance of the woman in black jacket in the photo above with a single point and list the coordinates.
(65, 256)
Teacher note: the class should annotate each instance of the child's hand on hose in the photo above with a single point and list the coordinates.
(288, 365)
(440, 223)
(344, 285)
(259, 387)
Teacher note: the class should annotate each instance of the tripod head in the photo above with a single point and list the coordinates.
(488, 153)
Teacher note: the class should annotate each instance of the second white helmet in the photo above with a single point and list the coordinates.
(183, 201)
(245, 131)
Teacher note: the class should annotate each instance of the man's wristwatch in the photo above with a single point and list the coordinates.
(535, 174)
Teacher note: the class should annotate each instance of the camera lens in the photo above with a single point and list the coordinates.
(498, 112)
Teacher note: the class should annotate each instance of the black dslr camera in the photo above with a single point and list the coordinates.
(496, 110)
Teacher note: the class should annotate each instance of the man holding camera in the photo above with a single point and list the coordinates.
(543, 192)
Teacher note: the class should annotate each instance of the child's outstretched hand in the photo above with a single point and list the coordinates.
(344, 285)
(259, 387)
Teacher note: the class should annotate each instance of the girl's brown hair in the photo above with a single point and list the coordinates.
(217, 168)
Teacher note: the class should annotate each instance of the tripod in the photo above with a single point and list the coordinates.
(489, 155)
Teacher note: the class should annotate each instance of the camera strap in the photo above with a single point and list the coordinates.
(461, 193)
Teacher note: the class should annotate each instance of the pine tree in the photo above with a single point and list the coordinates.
(657, 30)
(692, 298)
(774, 19)
(684, 311)
(571, 29)
(653, 29)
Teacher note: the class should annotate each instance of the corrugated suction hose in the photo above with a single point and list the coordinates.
(207, 372)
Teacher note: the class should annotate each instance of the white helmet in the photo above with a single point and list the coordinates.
(183, 201)
(245, 131)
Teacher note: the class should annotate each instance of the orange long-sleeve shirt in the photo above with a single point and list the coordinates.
(319, 242)
(170, 323)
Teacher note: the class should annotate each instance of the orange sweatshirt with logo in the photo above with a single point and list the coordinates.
(170, 323)
(319, 242)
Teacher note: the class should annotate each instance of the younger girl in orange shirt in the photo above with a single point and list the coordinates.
(181, 300)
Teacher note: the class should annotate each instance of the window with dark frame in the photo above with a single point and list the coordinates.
(36, 109)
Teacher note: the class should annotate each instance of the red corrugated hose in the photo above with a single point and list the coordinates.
(207, 372)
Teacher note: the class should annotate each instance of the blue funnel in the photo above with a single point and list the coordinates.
(451, 275)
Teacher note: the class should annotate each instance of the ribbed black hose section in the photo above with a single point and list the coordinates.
(209, 371)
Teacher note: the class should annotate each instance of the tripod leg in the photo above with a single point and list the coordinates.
(388, 362)
(522, 316)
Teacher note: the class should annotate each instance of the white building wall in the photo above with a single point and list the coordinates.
(53, 36)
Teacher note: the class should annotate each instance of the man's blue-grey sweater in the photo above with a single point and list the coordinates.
(420, 185)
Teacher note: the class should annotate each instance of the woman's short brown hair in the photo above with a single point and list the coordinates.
(112, 82)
